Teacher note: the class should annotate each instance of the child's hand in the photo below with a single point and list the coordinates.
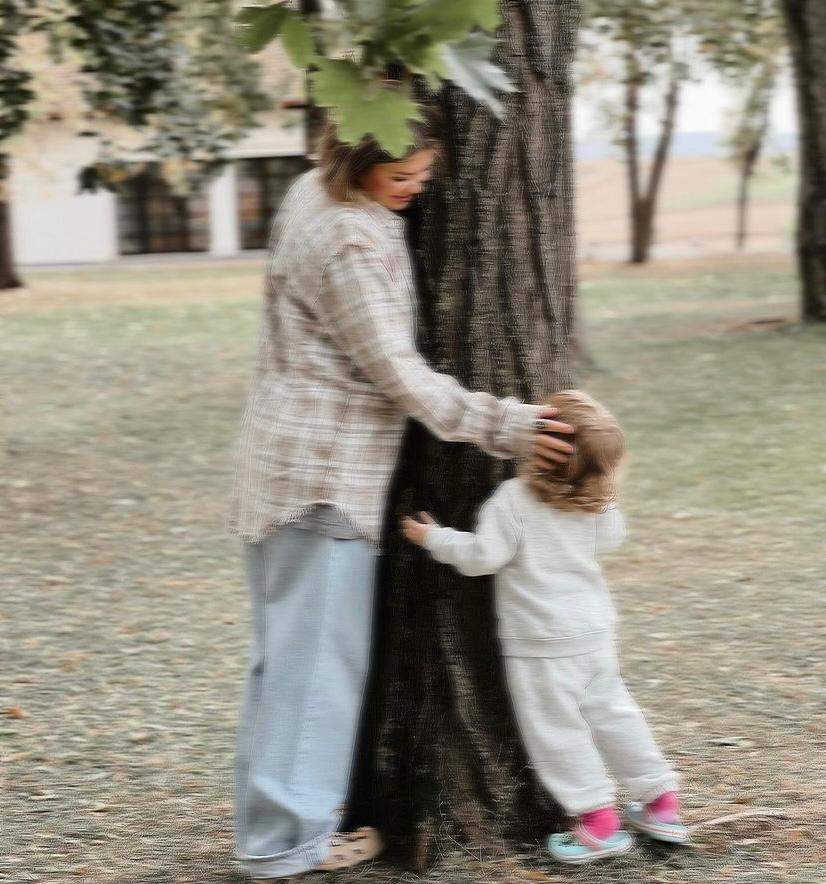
(416, 531)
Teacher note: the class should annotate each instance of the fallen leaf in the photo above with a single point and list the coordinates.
(15, 712)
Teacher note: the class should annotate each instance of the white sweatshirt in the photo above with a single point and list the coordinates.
(551, 598)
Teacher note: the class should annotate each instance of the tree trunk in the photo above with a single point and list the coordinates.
(642, 230)
(661, 154)
(742, 207)
(314, 116)
(633, 84)
(8, 276)
(747, 167)
(806, 21)
(644, 205)
(752, 132)
(495, 253)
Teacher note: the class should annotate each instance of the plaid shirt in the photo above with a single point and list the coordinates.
(338, 372)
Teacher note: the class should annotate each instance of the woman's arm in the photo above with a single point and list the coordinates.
(362, 314)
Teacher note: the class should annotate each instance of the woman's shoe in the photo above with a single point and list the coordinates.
(348, 849)
(643, 820)
(579, 846)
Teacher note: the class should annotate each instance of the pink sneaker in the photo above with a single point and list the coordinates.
(658, 819)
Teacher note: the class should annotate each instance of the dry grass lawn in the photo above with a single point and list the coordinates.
(124, 618)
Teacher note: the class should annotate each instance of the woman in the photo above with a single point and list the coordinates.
(337, 377)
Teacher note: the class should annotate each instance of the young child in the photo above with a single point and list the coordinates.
(541, 534)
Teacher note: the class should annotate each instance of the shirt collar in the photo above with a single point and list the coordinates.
(387, 218)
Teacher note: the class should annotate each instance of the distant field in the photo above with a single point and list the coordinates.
(697, 208)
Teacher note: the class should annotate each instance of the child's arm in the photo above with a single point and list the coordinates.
(610, 530)
(487, 551)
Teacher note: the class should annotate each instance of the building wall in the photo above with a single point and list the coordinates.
(52, 223)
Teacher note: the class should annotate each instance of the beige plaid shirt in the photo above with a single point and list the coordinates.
(339, 373)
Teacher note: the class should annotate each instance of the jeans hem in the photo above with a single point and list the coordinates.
(290, 862)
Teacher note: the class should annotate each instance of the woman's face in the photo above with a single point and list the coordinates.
(395, 185)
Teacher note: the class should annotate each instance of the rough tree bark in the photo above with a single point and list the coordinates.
(806, 21)
(495, 248)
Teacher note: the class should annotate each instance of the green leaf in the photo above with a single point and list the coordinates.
(368, 10)
(450, 20)
(363, 107)
(420, 55)
(467, 63)
(259, 25)
(297, 39)
(247, 14)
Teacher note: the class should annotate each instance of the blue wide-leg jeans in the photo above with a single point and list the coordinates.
(312, 608)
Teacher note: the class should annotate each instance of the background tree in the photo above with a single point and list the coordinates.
(15, 96)
(806, 23)
(747, 139)
(745, 41)
(495, 249)
(173, 75)
(162, 81)
(648, 43)
(494, 246)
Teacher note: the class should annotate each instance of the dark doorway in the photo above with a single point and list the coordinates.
(152, 218)
(262, 183)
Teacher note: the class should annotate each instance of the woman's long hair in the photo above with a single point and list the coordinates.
(587, 480)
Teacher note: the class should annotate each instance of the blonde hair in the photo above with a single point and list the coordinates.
(343, 165)
(587, 480)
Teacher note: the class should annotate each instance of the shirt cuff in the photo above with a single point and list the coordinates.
(433, 538)
(519, 428)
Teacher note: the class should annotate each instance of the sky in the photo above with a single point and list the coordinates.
(706, 105)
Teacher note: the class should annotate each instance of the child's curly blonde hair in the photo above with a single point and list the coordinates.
(587, 480)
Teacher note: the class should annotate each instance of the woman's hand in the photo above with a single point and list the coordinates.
(547, 449)
(416, 531)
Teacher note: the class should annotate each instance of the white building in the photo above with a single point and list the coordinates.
(54, 223)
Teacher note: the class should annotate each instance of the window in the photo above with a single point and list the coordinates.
(262, 183)
(151, 218)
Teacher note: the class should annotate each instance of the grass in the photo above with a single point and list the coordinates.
(770, 184)
(124, 616)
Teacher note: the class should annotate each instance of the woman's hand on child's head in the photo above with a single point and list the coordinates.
(416, 530)
(547, 449)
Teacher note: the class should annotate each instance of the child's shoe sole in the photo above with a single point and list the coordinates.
(566, 847)
(643, 822)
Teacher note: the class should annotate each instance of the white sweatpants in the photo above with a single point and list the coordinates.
(577, 717)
